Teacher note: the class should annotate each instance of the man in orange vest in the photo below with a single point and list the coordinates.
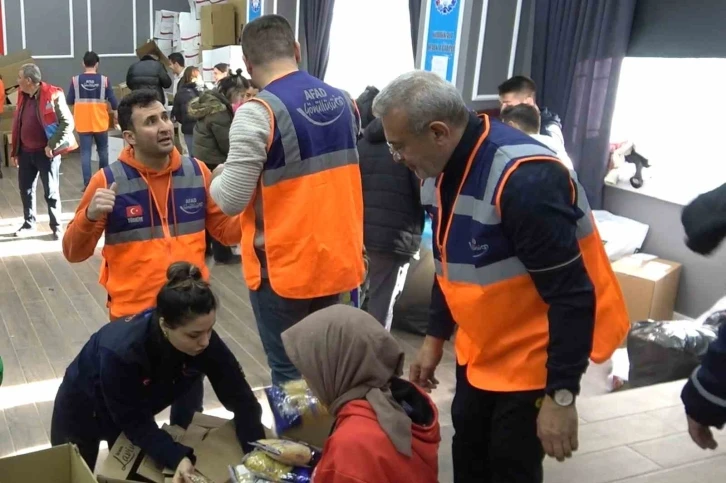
(91, 93)
(520, 269)
(292, 171)
(153, 207)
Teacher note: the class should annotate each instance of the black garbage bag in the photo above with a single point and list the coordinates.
(668, 350)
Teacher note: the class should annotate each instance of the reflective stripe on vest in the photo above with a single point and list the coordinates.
(484, 210)
(100, 100)
(294, 166)
(188, 186)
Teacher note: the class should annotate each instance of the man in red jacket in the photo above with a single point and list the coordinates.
(42, 131)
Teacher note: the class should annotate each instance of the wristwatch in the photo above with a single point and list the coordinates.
(563, 397)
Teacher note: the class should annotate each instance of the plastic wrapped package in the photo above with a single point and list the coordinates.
(240, 474)
(293, 404)
(263, 466)
(289, 452)
(666, 351)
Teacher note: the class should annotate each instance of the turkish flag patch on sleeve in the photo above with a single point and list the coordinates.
(134, 211)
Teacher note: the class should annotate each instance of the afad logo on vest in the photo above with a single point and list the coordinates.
(317, 102)
(134, 214)
(445, 7)
(479, 250)
(256, 4)
(191, 206)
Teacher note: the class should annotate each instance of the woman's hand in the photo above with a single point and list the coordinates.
(184, 471)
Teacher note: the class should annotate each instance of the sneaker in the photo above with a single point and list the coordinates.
(57, 233)
(25, 230)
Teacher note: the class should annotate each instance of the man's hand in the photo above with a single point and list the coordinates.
(217, 171)
(184, 471)
(701, 435)
(557, 429)
(15, 161)
(428, 358)
(48, 153)
(101, 203)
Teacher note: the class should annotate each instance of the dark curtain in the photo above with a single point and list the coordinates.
(414, 12)
(317, 17)
(579, 46)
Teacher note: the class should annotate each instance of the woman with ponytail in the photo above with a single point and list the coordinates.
(132, 370)
(214, 111)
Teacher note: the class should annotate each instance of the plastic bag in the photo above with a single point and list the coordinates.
(263, 466)
(666, 351)
(621, 236)
(288, 452)
(292, 404)
(240, 474)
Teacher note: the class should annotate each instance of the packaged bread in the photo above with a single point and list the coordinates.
(293, 404)
(263, 466)
(287, 452)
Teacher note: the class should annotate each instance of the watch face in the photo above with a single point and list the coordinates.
(564, 397)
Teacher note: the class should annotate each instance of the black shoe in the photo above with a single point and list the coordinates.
(232, 260)
(57, 233)
(25, 230)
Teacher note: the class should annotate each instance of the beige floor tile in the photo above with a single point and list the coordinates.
(709, 471)
(678, 449)
(601, 467)
(621, 431)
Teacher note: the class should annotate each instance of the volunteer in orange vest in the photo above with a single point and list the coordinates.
(152, 206)
(292, 171)
(520, 269)
(42, 132)
(91, 93)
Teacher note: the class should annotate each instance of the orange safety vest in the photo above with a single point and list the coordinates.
(140, 246)
(310, 194)
(90, 109)
(503, 325)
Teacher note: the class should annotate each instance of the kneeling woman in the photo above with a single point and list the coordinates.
(131, 370)
(386, 430)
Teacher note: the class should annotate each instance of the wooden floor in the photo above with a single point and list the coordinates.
(49, 308)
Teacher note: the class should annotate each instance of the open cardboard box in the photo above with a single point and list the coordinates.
(60, 464)
(150, 48)
(214, 442)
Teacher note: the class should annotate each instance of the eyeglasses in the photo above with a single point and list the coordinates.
(394, 152)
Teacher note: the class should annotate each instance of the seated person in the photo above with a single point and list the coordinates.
(526, 118)
(131, 370)
(386, 429)
(522, 90)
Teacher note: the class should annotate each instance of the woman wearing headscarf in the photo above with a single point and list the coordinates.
(386, 429)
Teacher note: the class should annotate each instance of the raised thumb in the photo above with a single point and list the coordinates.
(113, 187)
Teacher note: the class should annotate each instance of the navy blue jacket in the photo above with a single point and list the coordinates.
(129, 372)
(705, 393)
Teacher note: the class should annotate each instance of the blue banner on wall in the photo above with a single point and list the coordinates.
(254, 9)
(441, 37)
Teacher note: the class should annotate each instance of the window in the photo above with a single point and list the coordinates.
(674, 111)
(370, 44)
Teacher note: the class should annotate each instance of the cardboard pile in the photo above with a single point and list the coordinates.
(178, 32)
(649, 284)
(215, 446)
(60, 464)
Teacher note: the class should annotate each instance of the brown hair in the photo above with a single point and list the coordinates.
(268, 38)
(189, 73)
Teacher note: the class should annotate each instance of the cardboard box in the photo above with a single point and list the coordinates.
(150, 48)
(218, 25)
(60, 464)
(240, 9)
(10, 66)
(649, 284)
(6, 118)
